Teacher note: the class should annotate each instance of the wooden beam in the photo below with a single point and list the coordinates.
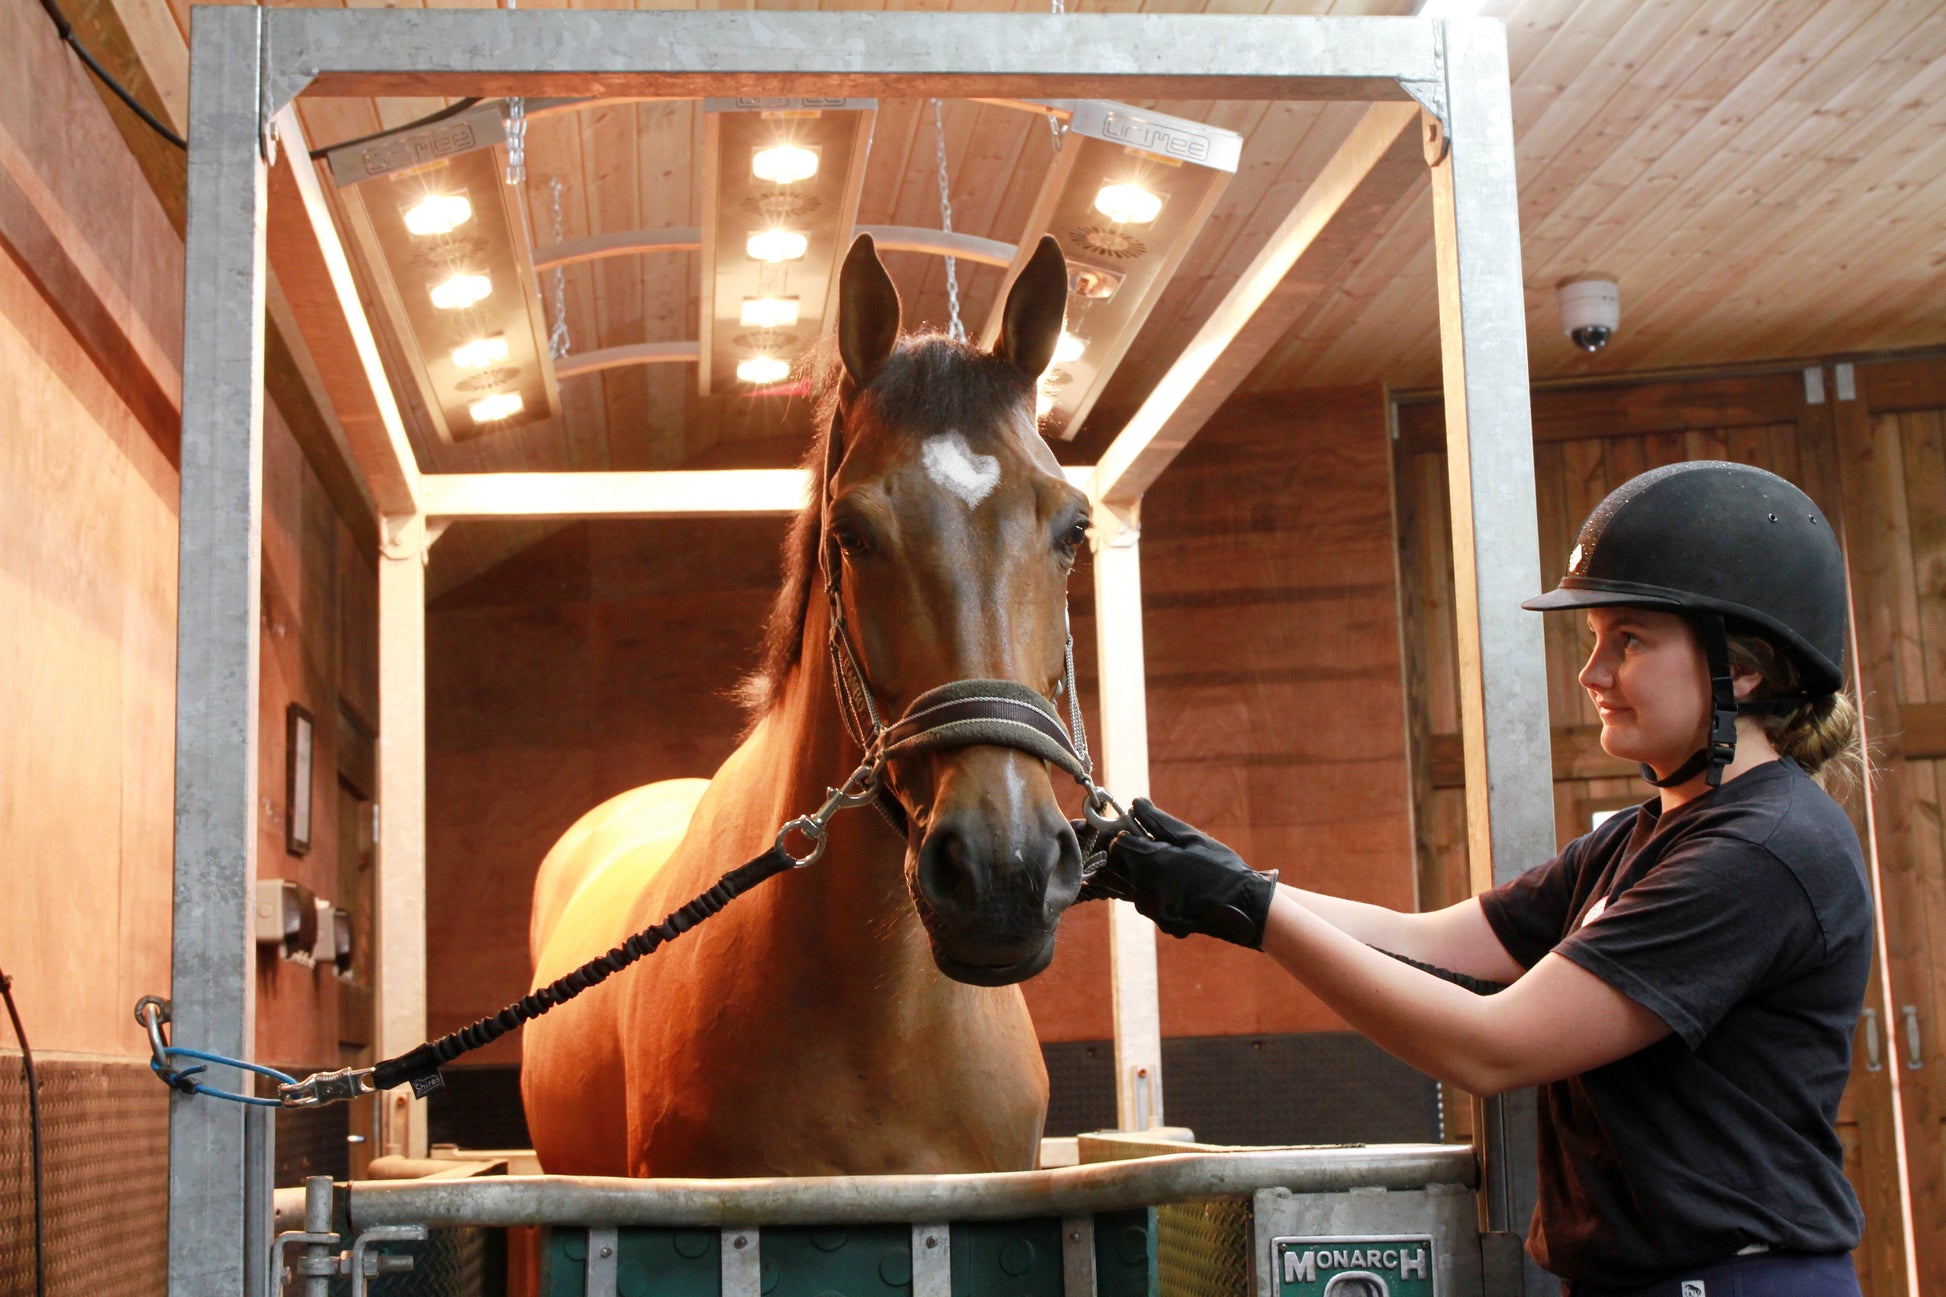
(311, 267)
(635, 353)
(1372, 169)
(614, 495)
(38, 251)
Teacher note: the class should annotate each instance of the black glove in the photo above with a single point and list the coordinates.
(1185, 881)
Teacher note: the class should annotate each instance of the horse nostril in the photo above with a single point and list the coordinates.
(949, 871)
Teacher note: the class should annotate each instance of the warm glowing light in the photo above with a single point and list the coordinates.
(438, 214)
(1069, 348)
(763, 369)
(491, 409)
(480, 352)
(1127, 204)
(783, 164)
(1043, 403)
(768, 312)
(461, 291)
(777, 245)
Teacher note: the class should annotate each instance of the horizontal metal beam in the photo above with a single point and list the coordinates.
(619, 243)
(1378, 162)
(316, 277)
(635, 353)
(884, 54)
(889, 1199)
(941, 243)
(615, 495)
(687, 238)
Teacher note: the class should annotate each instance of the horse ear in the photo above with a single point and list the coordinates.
(868, 313)
(1037, 306)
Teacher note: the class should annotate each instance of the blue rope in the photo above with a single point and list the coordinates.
(184, 1081)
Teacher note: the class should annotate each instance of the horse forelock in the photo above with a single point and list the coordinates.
(929, 383)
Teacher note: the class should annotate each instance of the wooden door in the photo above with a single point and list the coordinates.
(1890, 422)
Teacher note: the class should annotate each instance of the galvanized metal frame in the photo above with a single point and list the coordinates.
(247, 64)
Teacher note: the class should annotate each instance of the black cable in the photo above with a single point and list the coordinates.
(451, 110)
(34, 1125)
(65, 30)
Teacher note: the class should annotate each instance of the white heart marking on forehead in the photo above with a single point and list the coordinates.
(952, 464)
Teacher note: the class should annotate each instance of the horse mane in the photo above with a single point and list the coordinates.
(930, 380)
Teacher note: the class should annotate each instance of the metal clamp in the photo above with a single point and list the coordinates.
(362, 1265)
(284, 1240)
(320, 1088)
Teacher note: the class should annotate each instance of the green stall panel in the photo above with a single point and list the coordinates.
(1125, 1254)
(861, 1261)
(650, 1263)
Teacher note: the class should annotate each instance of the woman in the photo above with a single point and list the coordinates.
(1683, 982)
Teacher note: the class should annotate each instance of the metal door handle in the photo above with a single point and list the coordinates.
(1868, 1019)
(1915, 1057)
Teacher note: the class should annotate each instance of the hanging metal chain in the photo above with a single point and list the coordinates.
(516, 140)
(955, 328)
(1053, 122)
(557, 338)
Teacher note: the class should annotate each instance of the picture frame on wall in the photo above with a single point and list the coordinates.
(298, 746)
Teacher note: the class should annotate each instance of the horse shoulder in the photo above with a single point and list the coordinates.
(641, 825)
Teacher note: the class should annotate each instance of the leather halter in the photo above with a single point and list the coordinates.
(962, 713)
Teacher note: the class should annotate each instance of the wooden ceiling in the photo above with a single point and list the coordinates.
(1765, 178)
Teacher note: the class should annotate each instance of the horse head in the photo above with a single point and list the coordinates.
(948, 536)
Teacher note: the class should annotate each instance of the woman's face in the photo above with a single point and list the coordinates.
(1650, 683)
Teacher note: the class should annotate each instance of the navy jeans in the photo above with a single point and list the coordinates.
(1768, 1274)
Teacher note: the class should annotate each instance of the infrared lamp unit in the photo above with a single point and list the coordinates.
(1591, 309)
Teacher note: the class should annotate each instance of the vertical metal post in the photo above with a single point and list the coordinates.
(401, 901)
(1123, 695)
(216, 641)
(1496, 555)
(259, 1197)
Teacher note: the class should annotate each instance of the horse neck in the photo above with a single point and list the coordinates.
(803, 748)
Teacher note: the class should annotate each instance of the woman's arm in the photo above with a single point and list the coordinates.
(1457, 938)
(1483, 1044)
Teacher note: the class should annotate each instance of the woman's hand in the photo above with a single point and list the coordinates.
(1186, 881)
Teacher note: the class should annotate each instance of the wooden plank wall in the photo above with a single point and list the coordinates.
(1877, 473)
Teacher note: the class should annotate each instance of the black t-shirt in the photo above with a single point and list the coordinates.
(1742, 919)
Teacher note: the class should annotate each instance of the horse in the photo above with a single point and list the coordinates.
(861, 1015)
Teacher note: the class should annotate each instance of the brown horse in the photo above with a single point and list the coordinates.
(859, 1015)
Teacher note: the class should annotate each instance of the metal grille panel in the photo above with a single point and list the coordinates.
(105, 1128)
(1203, 1248)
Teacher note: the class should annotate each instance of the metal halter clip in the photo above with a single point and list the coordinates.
(1095, 808)
(320, 1088)
(859, 789)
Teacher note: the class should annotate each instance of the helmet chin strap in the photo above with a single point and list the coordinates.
(1722, 745)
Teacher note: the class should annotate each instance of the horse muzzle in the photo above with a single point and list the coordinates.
(990, 888)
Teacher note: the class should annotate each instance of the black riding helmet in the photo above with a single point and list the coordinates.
(1718, 542)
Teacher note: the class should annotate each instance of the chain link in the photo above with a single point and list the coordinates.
(955, 327)
(557, 338)
(516, 139)
(1053, 122)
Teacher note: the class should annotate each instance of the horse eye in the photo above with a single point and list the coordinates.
(1076, 535)
(852, 542)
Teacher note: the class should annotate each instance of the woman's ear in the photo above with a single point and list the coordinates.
(1744, 681)
(1037, 306)
(868, 314)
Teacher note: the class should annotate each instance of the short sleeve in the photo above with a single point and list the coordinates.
(1698, 933)
(1529, 913)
